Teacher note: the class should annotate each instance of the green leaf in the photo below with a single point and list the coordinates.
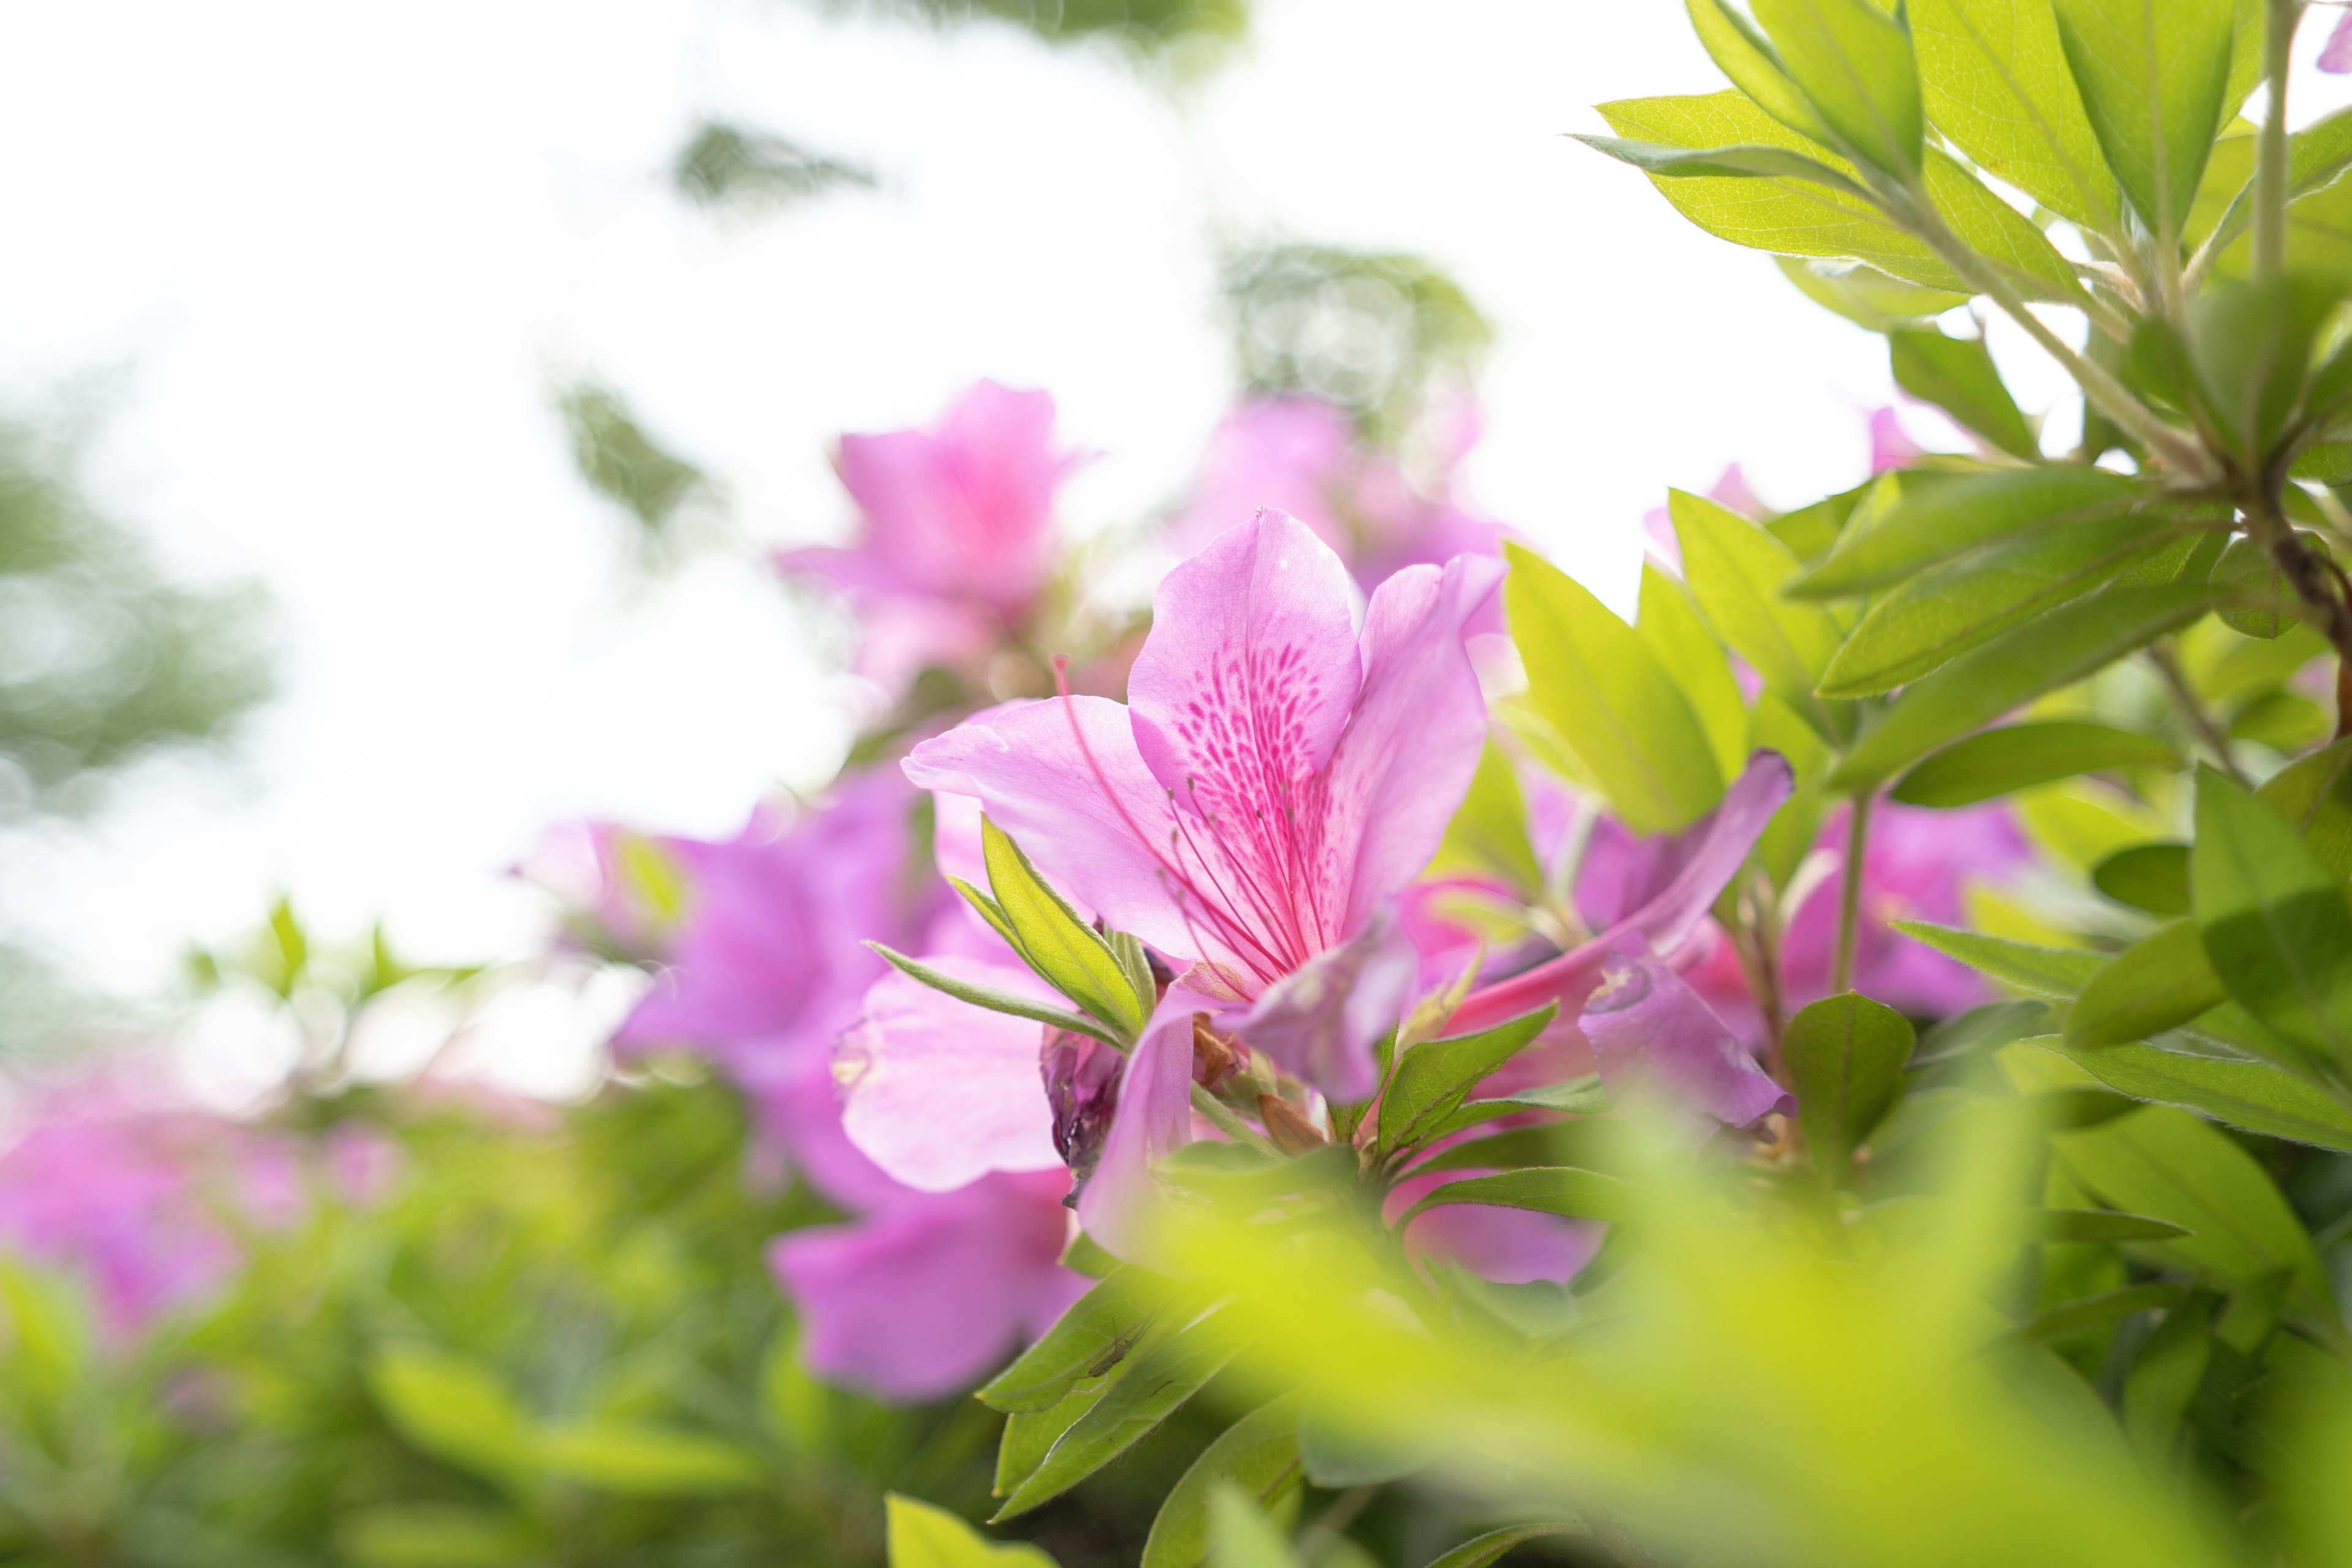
(2097, 1225)
(1147, 1392)
(995, 1001)
(1488, 832)
(2159, 982)
(1724, 164)
(2018, 756)
(1865, 296)
(1257, 1456)
(2167, 1164)
(1960, 604)
(1485, 1549)
(1030, 1435)
(1957, 374)
(2153, 75)
(2249, 346)
(1952, 514)
(1998, 232)
(451, 1408)
(1432, 1077)
(1845, 1055)
(1592, 1144)
(922, 1536)
(1243, 1536)
(2163, 1379)
(1670, 625)
(1995, 81)
(1071, 956)
(1790, 217)
(639, 1458)
(2252, 1095)
(986, 909)
(1098, 1331)
(1732, 42)
(2275, 920)
(2314, 795)
(1546, 1189)
(1577, 1096)
(1852, 62)
(2055, 973)
(2056, 650)
(1735, 570)
(1608, 700)
(2067, 1317)
(2151, 877)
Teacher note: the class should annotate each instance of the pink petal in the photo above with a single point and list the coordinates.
(939, 1092)
(1651, 1031)
(1091, 816)
(1237, 700)
(1285, 452)
(926, 1296)
(1321, 1020)
(1401, 770)
(1666, 922)
(1891, 446)
(1509, 1247)
(1154, 1117)
(2336, 59)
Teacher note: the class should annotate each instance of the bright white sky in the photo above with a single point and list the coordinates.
(318, 266)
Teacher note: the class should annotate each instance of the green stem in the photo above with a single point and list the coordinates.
(1227, 1120)
(1849, 931)
(2184, 698)
(2270, 150)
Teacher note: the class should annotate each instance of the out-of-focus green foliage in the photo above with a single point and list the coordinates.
(102, 660)
(1149, 26)
(723, 165)
(627, 466)
(1374, 332)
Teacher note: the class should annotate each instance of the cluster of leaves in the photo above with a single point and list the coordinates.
(1150, 27)
(620, 461)
(724, 164)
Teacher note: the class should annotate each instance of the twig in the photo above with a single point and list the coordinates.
(2184, 698)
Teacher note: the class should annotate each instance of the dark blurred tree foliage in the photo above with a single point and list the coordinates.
(1373, 332)
(102, 660)
(727, 165)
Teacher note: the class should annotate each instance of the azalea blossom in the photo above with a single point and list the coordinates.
(959, 531)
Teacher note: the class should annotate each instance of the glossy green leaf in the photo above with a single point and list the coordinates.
(2057, 649)
(1607, 699)
(2159, 982)
(2097, 1225)
(924, 1536)
(1957, 376)
(2151, 877)
(1488, 832)
(1148, 1391)
(1934, 521)
(1670, 625)
(2054, 972)
(1484, 1550)
(1030, 1435)
(1098, 1331)
(1998, 232)
(2165, 1163)
(2154, 76)
(1739, 163)
(1995, 80)
(1546, 1189)
(1852, 62)
(1865, 296)
(1257, 1456)
(1845, 1057)
(2018, 756)
(995, 1001)
(1735, 570)
(2276, 921)
(1731, 40)
(2255, 1096)
(1435, 1076)
(451, 1408)
(1070, 955)
(641, 1459)
(1960, 605)
(2314, 794)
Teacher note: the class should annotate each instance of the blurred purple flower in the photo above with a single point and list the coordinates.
(1891, 446)
(1301, 455)
(959, 530)
(2335, 58)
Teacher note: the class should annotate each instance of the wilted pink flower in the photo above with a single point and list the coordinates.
(1301, 455)
(928, 1293)
(108, 1186)
(959, 530)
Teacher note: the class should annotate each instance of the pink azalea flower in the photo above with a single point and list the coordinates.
(926, 1295)
(2335, 58)
(1891, 446)
(959, 530)
(1302, 456)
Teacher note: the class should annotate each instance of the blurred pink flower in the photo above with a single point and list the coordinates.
(1301, 455)
(959, 530)
(1891, 446)
(2335, 58)
(106, 1185)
